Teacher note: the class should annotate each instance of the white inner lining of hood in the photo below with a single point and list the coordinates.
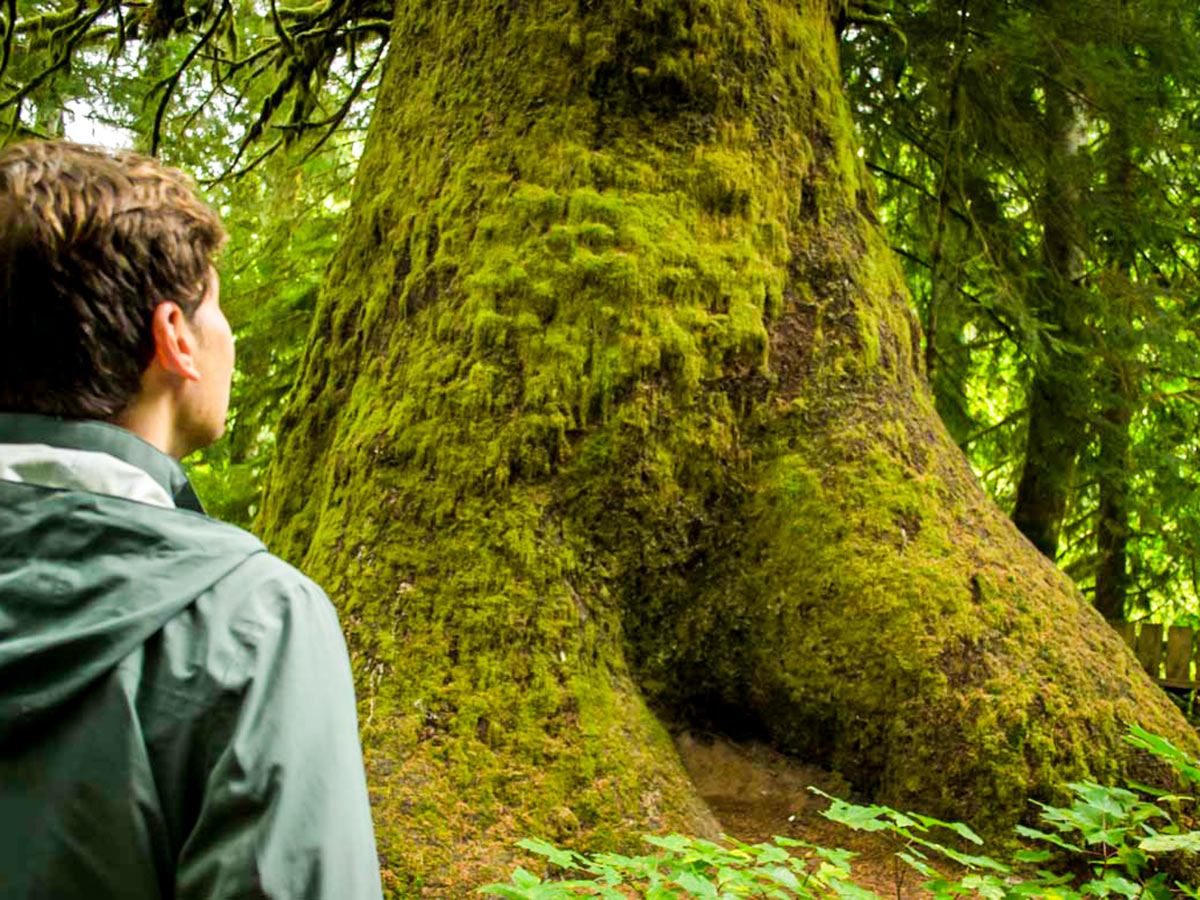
(80, 470)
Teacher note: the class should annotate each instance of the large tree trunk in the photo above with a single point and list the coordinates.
(613, 403)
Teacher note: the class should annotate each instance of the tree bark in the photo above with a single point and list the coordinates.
(1112, 525)
(1058, 399)
(947, 360)
(1120, 394)
(613, 404)
(1051, 451)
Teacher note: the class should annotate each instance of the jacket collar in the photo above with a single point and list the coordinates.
(100, 437)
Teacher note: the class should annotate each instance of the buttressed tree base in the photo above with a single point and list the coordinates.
(612, 420)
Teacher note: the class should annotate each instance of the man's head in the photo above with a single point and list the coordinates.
(107, 290)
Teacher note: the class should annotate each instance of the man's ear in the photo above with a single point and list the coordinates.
(174, 341)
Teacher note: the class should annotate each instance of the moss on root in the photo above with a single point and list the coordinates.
(612, 398)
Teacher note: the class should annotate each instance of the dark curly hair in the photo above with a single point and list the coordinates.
(91, 242)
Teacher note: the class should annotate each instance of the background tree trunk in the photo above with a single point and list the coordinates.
(1120, 388)
(1112, 524)
(947, 358)
(1058, 395)
(613, 401)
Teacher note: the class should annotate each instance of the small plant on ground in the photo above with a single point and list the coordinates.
(681, 867)
(1110, 842)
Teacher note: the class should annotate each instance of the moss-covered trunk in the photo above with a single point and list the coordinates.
(613, 402)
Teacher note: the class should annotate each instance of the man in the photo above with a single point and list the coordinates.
(176, 707)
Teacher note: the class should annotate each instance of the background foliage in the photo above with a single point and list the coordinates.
(1035, 165)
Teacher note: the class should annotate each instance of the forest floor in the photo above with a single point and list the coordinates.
(757, 793)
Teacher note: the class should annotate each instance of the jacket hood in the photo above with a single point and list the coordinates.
(86, 579)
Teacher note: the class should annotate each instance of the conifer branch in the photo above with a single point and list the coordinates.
(9, 31)
(168, 84)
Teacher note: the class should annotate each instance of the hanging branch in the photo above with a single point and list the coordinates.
(289, 45)
(1012, 417)
(247, 169)
(975, 299)
(920, 189)
(336, 120)
(168, 84)
(305, 52)
(16, 120)
(9, 30)
(63, 60)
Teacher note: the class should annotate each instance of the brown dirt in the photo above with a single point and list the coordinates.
(757, 793)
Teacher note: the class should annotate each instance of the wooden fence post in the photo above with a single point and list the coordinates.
(1179, 655)
(1145, 639)
(1149, 648)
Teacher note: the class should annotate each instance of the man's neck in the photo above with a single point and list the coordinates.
(152, 418)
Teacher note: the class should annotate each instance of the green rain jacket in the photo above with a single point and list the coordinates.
(177, 715)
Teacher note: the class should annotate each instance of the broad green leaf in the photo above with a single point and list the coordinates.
(1113, 836)
(1166, 751)
(1032, 856)
(942, 888)
(1112, 884)
(564, 859)
(923, 867)
(827, 873)
(987, 886)
(766, 853)
(1112, 801)
(837, 857)
(674, 842)
(699, 845)
(790, 842)
(1132, 859)
(975, 861)
(1025, 831)
(643, 866)
(1148, 789)
(608, 873)
(965, 859)
(860, 818)
(963, 830)
(1159, 795)
(1047, 877)
(848, 890)
(957, 827)
(783, 876)
(696, 885)
(1159, 843)
(615, 860)
(503, 890)
(524, 878)
(728, 876)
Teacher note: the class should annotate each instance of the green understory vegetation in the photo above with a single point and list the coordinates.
(1137, 842)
